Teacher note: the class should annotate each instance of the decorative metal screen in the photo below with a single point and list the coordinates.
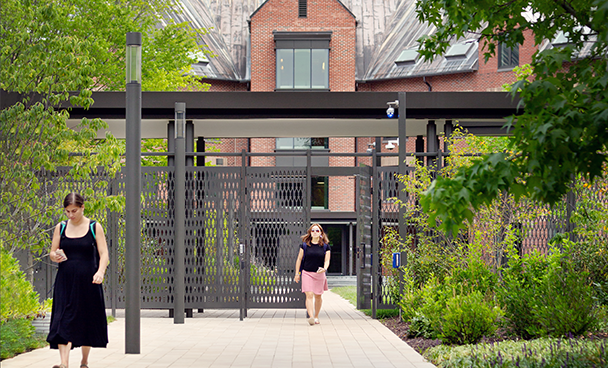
(276, 220)
(364, 238)
(212, 243)
(389, 218)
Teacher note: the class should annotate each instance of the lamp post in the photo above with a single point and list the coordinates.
(133, 184)
(179, 254)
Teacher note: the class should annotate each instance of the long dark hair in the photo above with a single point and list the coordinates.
(73, 198)
(308, 237)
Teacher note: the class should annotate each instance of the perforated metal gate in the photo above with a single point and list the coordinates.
(243, 228)
(364, 237)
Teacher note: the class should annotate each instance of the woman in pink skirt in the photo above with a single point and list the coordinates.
(312, 263)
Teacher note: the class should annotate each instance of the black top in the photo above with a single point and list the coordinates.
(314, 256)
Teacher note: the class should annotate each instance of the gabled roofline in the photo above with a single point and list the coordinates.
(264, 3)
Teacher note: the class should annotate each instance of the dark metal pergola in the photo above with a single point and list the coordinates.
(297, 114)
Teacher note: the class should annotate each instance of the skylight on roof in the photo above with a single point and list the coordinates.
(407, 56)
(459, 50)
(561, 39)
(199, 56)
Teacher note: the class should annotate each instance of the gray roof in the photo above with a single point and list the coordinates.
(385, 29)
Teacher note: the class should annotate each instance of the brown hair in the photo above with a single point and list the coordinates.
(73, 198)
(308, 237)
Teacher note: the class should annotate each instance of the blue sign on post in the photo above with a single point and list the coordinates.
(396, 259)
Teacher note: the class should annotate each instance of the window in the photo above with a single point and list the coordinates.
(508, 58)
(302, 143)
(302, 60)
(318, 192)
(302, 69)
(302, 7)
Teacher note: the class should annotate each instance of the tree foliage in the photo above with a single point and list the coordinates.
(563, 130)
(53, 51)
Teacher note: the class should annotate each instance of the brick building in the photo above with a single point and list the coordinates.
(291, 46)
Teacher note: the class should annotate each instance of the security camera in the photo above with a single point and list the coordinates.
(390, 112)
(390, 145)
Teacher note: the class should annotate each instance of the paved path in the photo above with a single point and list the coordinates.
(267, 338)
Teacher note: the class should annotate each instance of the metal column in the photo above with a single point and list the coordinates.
(179, 287)
(403, 195)
(133, 209)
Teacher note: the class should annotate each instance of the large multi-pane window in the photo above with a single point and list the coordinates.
(302, 60)
(302, 69)
(508, 57)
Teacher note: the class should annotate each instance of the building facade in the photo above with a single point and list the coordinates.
(303, 46)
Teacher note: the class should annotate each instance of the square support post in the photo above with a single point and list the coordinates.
(133, 189)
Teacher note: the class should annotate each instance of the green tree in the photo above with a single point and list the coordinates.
(563, 130)
(52, 51)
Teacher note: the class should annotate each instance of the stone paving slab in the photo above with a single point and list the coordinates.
(266, 338)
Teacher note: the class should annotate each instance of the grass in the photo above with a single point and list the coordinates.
(347, 292)
(350, 294)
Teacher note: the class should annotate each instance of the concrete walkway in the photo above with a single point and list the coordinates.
(267, 338)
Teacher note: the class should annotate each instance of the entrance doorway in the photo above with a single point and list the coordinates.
(338, 239)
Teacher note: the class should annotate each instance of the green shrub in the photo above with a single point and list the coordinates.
(545, 353)
(468, 318)
(565, 301)
(420, 326)
(411, 301)
(520, 286)
(547, 296)
(17, 336)
(18, 297)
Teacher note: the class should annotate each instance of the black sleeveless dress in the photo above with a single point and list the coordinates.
(79, 313)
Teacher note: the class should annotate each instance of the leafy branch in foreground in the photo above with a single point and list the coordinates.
(563, 128)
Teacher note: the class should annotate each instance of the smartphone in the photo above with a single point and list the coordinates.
(61, 253)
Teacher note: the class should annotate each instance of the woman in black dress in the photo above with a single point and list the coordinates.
(78, 317)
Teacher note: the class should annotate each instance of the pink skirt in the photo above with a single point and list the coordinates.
(315, 282)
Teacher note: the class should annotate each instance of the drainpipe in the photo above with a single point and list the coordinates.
(427, 83)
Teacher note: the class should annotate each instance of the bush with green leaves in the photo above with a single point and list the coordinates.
(467, 318)
(19, 300)
(18, 336)
(420, 326)
(546, 295)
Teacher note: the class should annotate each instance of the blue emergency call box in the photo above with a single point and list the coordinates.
(396, 259)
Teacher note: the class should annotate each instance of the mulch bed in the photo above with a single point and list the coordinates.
(420, 344)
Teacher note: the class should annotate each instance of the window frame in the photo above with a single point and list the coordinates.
(502, 47)
(314, 61)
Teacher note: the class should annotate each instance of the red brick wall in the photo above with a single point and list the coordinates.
(323, 15)
(225, 86)
(341, 189)
(263, 145)
(228, 145)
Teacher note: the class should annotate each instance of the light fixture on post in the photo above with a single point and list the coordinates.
(132, 195)
(180, 120)
(179, 285)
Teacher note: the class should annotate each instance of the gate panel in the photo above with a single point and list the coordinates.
(212, 259)
(364, 238)
(389, 218)
(276, 220)
(156, 240)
